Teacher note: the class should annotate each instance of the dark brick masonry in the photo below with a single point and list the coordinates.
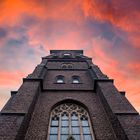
(26, 114)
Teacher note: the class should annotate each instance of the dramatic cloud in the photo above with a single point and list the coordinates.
(108, 31)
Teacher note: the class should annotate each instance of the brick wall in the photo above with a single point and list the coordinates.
(50, 80)
(39, 124)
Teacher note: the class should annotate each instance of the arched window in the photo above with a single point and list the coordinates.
(66, 66)
(66, 55)
(75, 79)
(70, 120)
(60, 79)
(70, 66)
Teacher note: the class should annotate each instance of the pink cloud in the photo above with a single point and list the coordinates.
(11, 79)
(35, 27)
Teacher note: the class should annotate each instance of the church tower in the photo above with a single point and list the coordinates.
(67, 97)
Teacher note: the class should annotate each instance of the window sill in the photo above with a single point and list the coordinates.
(76, 83)
(59, 83)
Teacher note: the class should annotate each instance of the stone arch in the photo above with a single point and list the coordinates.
(70, 118)
(70, 101)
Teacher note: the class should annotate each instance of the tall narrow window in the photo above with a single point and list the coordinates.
(70, 120)
(60, 79)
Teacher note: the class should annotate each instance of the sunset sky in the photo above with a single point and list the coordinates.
(107, 30)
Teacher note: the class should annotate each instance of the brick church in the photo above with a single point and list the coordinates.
(67, 97)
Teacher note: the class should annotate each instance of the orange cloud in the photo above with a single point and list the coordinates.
(12, 11)
(135, 67)
(123, 14)
(10, 79)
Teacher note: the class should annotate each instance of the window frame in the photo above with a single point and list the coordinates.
(76, 77)
(60, 77)
(67, 55)
(74, 112)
